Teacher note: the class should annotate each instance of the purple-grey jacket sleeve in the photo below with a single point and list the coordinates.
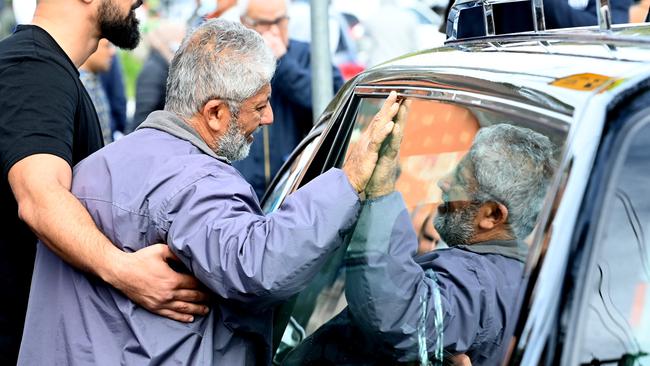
(219, 232)
(391, 298)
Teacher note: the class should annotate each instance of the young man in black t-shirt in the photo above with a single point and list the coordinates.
(48, 124)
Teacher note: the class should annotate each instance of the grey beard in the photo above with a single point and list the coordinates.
(233, 145)
(455, 227)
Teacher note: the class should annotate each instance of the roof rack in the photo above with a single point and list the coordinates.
(479, 18)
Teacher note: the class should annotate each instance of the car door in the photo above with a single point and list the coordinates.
(440, 129)
(606, 317)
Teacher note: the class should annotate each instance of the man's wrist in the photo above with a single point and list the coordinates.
(110, 265)
(351, 179)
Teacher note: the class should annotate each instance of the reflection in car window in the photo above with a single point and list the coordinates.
(472, 179)
(286, 181)
(618, 322)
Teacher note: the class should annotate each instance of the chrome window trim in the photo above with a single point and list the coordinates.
(470, 99)
(588, 35)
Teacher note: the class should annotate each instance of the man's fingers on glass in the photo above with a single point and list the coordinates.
(388, 104)
(403, 111)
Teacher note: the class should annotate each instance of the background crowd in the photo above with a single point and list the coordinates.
(128, 85)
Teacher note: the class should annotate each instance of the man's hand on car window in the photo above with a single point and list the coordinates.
(365, 151)
(382, 181)
(146, 278)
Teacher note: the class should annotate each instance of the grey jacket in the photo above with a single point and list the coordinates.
(162, 184)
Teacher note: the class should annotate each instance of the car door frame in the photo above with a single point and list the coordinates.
(591, 224)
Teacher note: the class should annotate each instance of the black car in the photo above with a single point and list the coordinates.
(584, 297)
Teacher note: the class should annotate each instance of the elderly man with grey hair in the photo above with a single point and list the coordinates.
(461, 299)
(171, 181)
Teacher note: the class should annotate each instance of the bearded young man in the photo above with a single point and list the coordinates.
(48, 124)
(462, 298)
(171, 181)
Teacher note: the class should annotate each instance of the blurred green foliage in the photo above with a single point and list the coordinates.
(131, 67)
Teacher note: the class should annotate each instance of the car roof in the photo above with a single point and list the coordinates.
(568, 65)
(546, 54)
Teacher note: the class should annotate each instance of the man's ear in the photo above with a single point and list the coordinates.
(216, 114)
(491, 215)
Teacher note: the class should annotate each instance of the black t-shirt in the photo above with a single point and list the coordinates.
(44, 108)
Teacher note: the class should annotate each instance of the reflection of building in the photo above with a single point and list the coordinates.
(432, 147)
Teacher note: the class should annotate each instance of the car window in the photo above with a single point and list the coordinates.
(433, 157)
(618, 319)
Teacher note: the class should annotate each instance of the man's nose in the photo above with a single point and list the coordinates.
(267, 117)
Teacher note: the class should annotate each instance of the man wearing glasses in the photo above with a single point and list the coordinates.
(291, 97)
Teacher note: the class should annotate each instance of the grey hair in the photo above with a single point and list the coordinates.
(217, 60)
(242, 6)
(513, 166)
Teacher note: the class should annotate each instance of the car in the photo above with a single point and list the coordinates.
(584, 297)
(415, 23)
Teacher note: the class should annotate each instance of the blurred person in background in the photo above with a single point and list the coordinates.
(112, 81)
(150, 85)
(291, 97)
(579, 13)
(210, 9)
(23, 10)
(639, 11)
(48, 124)
(7, 20)
(97, 63)
(391, 41)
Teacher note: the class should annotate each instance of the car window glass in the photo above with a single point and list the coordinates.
(437, 138)
(618, 320)
(288, 177)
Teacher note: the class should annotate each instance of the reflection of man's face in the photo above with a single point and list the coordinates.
(457, 213)
(118, 24)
